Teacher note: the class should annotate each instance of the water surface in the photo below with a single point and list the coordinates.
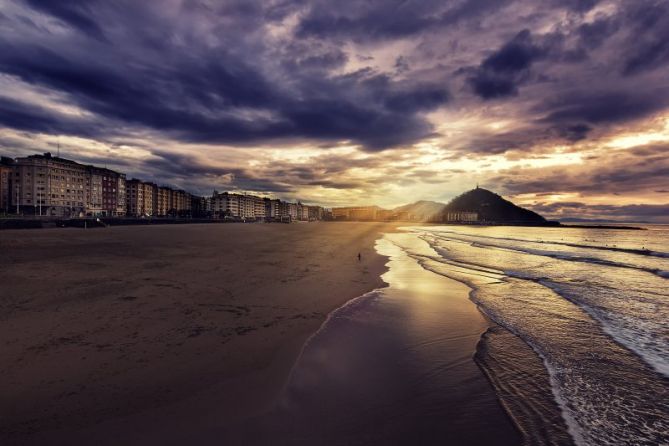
(592, 303)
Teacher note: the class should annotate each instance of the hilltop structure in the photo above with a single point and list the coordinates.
(482, 205)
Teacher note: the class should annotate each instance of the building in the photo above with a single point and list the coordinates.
(258, 207)
(134, 197)
(163, 198)
(355, 213)
(48, 185)
(180, 203)
(461, 217)
(225, 205)
(201, 207)
(5, 184)
(291, 211)
(107, 195)
(247, 207)
(140, 198)
(302, 212)
(52, 186)
(272, 209)
(316, 213)
(385, 214)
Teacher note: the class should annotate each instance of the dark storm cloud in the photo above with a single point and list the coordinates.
(577, 107)
(225, 92)
(77, 14)
(629, 171)
(500, 73)
(180, 167)
(649, 36)
(363, 20)
(27, 117)
(234, 73)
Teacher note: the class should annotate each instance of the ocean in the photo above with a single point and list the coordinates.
(593, 304)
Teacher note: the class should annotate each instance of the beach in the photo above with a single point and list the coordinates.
(115, 333)
(198, 333)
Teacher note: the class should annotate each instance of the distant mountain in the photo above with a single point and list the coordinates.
(423, 210)
(493, 208)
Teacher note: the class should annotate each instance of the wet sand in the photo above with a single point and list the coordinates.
(392, 367)
(175, 334)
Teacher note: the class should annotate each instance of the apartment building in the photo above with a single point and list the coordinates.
(355, 213)
(226, 205)
(291, 211)
(107, 196)
(48, 185)
(272, 208)
(163, 197)
(258, 206)
(140, 198)
(180, 203)
(316, 213)
(5, 184)
(201, 207)
(463, 217)
(52, 186)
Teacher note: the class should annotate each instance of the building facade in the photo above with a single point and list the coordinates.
(6, 171)
(247, 207)
(140, 198)
(461, 217)
(163, 196)
(50, 186)
(355, 213)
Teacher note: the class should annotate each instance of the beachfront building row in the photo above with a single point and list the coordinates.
(251, 207)
(146, 199)
(371, 213)
(356, 213)
(48, 185)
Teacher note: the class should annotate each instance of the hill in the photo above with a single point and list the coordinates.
(423, 210)
(493, 208)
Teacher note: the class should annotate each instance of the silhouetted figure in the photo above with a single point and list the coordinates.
(359, 257)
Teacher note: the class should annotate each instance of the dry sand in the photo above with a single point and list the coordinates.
(129, 334)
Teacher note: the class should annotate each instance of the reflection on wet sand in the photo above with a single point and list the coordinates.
(394, 366)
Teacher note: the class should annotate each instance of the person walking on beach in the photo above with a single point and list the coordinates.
(359, 257)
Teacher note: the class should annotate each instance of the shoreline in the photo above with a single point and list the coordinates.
(269, 366)
(412, 360)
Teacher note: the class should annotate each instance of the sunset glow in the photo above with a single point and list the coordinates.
(553, 102)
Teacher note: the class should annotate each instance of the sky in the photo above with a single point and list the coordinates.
(561, 106)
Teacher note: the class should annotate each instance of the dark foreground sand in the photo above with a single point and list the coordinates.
(140, 335)
(105, 323)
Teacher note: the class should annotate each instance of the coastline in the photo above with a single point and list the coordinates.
(228, 362)
(394, 366)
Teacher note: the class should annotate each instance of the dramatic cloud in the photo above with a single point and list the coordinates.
(349, 101)
(500, 73)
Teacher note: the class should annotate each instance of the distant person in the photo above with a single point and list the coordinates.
(359, 257)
